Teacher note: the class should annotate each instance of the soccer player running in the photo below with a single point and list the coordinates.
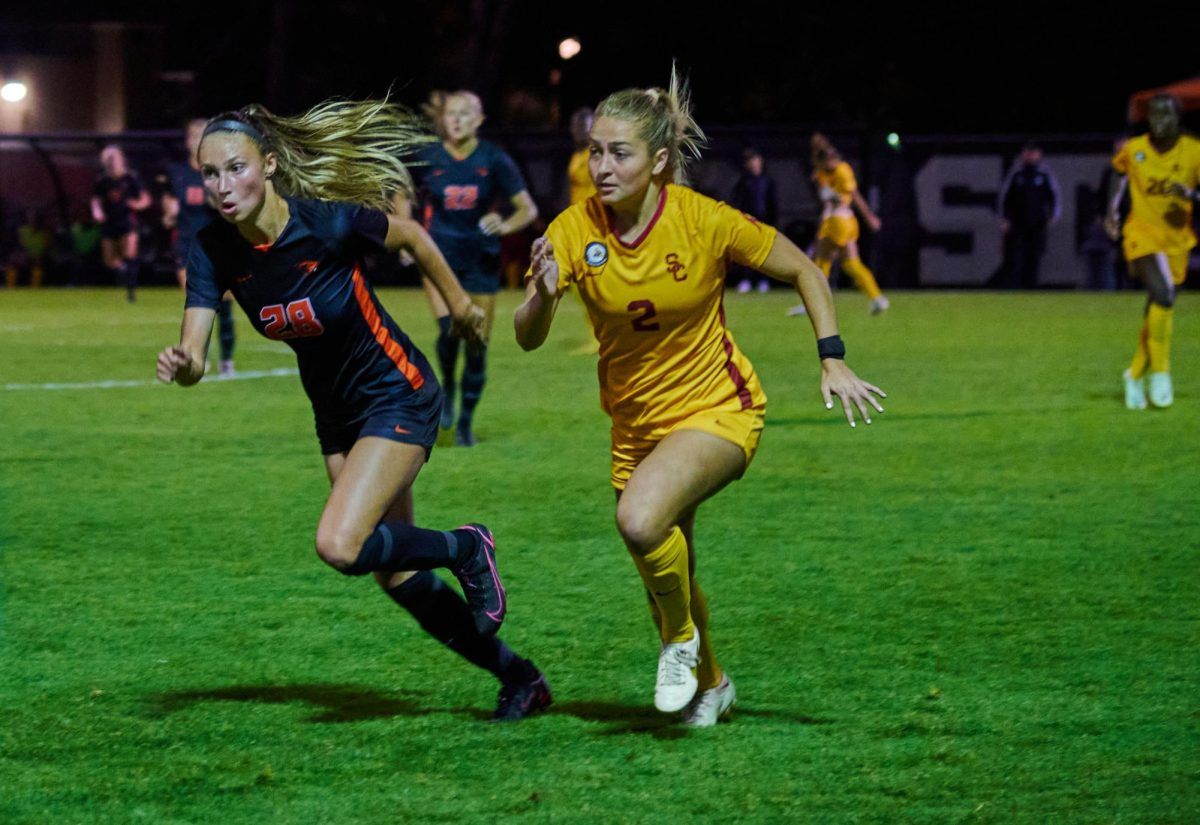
(461, 177)
(301, 202)
(1162, 171)
(116, 199)
(837, 237)
(648, 257)
(185, 210)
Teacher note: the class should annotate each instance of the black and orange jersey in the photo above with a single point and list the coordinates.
(308, 290)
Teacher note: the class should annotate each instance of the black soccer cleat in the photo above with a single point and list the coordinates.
(481, 582)
(522, 699)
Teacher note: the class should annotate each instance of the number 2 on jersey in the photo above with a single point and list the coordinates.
(297, 320)
(642, 323)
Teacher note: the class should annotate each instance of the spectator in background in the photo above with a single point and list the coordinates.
(34, 242)
(754, 194)
(117, 199)
(84, 248)
(1029, 203)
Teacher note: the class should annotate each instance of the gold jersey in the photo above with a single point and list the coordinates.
(836, 187)
(1160, 220)
(656, 305)
(579, 179)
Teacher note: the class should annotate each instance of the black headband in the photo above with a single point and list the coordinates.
(231, 125)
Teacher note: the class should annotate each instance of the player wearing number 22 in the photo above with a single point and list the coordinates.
(299, 198)
(648, 257)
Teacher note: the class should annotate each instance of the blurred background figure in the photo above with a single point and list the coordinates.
(34, 243)
(185, 210)
(580, 188)
(462, 179)
(117, 198)
(1029, 202)
(754, 194)
(837, 237)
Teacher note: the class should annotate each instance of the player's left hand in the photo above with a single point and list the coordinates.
(838, 379)
(491, 224)
(874, 223)
(470, 323)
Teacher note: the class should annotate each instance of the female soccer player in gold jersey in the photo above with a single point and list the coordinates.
(648, 257)
(1162, 171)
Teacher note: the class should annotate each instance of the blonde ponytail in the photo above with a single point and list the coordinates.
(664, 120)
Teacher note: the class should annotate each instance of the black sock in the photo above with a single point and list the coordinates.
(444, 615)
(225, 332)
(395, 545)
(473, 379)
(447, 353)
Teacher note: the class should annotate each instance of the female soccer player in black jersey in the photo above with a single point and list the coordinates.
(301, 201)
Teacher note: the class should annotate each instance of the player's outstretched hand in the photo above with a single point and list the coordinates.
(544, 267)
(170, 362)
(491, 224)
(838, 379)
(470, 324)
(1112, 227)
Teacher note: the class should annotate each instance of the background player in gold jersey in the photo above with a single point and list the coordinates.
(1162, 171)
(837, 237)
(648, 257)
(580, 188)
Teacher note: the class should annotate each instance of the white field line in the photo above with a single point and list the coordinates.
(108, 385)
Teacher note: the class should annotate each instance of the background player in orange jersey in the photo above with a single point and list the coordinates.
(648, 257)
(1162, 171)
(837, 237)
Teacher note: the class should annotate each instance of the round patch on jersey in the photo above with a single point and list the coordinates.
(1139, 156)
(595, 253)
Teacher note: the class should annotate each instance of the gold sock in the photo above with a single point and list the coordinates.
(1141, 356)
(863, 279)
(825, 265)
(664, 571)
(709, 672)
(1159, 323)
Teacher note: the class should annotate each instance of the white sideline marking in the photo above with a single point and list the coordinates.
(107, 385)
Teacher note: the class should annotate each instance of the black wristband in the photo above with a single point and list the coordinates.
(831, 347)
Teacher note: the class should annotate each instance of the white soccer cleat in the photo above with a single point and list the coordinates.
(1135, 391)
(710, 705)
(1162, 393)
(764, 287)
(879, 305)
(798, 309)
(226, 369)
(744, 286)
(676, 684)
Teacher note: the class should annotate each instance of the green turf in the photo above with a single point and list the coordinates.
(983, 608)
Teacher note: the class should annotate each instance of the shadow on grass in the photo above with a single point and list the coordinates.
(625, 719)
(338, 703)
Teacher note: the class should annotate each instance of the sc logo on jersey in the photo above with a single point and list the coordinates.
(675, 267)
(595, 254)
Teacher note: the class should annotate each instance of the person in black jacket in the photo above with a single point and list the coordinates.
(1028, 203)
(754, 194)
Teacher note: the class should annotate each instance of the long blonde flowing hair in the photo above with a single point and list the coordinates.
(339, 150)
(664, 120)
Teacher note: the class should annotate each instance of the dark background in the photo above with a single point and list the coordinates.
(990, 68)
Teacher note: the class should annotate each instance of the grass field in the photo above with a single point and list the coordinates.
(983, 608)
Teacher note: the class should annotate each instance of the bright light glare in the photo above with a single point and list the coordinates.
(569, 48)
(13, 91)
(893, 140)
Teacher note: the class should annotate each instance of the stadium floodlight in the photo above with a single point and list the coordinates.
(14, 91)
(893, 140)
(569, 48)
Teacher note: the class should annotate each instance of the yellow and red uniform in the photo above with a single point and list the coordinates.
(837, 189)
(579, 179)
(667, 359)
(1160, 220)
